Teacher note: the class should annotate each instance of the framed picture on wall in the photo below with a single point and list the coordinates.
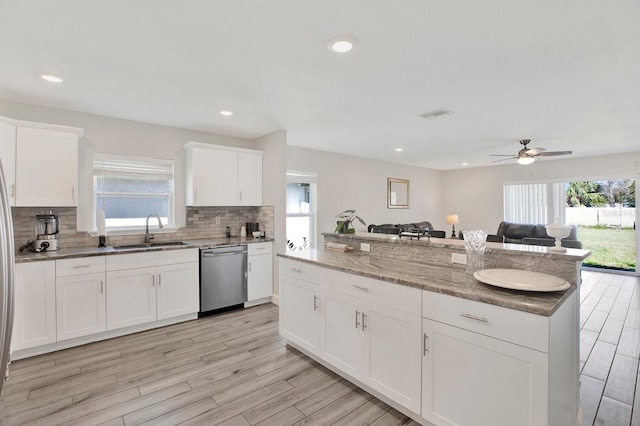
(397, 193)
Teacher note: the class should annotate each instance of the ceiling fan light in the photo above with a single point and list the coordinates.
(524, 160)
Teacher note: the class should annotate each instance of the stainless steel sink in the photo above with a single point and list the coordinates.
(150, 245)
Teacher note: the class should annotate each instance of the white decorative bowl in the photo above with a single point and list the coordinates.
(558, 230)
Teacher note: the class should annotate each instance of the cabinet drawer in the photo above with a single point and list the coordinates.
(301, 270)
(521, 328)
(398, 296)
(80, 265)
(151, 258)
(259, 248)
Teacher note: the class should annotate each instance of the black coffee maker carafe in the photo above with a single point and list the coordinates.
(252, 227)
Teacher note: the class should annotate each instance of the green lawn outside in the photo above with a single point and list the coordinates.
(610, 247)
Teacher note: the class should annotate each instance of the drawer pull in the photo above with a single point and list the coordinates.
(474, 317)
(315, 302)
(298, 270)
(81, 266)
(360, 288)
(357, 323)
(363, 318)
(261, 248)
(101, 287)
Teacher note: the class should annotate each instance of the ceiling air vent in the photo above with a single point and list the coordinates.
(435, 113)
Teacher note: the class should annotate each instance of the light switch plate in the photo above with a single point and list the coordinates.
(365, 247)
(459, 258)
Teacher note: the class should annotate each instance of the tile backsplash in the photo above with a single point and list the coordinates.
(200, 223)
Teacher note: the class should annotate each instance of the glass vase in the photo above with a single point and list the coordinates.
(474, 243)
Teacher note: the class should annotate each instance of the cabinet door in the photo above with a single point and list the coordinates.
(46, 168)
(300, 313)
(260, 276)
(80, 305)
(215, 181)
(177, 290)
(342, 332)
(8, 157)
(393, 353)
(249, 179)
(471, 379)
(131, 297)
(35, 305)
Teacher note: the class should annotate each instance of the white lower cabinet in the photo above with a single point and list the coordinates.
(150, 286)
(471, 379)
(259, 270)
(373, 337)
(80, 297)
(300, 306)
(34, 322)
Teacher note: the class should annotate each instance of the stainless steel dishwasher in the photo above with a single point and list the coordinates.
(223, 277)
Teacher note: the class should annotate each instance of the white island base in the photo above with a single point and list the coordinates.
(439, 359)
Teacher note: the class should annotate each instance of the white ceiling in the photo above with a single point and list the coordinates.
(565, 74)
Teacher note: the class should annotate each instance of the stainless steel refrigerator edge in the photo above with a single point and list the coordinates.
(223, 277)
(6, 279)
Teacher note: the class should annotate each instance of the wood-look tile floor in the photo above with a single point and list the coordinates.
(229, 369)
(234, 369)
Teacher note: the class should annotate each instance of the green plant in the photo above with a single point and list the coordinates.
(345, 219)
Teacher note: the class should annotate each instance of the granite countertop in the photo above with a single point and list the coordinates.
(449, 280)
(74, 252)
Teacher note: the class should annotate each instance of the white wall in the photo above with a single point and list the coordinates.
(274, 188)
(114, 136)
(475, 194)
(346, 182)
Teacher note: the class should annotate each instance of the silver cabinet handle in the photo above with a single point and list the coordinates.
(261, 248)
(159, 280)
(360, 288)
(474, 317)
(153, 280)
(81, 266)
(297, 270)
(315, 302)
(249, 266)
(363, 318)
(240, 195)
(101, 287)
(357, 323)
(425, 344)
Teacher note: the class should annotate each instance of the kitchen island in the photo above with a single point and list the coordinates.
(431, 340)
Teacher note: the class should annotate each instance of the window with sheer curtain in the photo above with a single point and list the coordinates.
(130, 189)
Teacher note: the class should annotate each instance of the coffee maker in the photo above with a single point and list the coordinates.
(47, 229)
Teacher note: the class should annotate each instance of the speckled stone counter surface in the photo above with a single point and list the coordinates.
(451, 280)
(22, 257)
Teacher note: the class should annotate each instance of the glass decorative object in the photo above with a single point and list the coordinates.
(474, 243)
(558, 230)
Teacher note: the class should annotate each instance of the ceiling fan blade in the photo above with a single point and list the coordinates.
(554, 153)
(534, 151)
(500, 155)
(504, 159)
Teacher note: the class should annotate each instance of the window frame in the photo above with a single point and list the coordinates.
(295, 176)
(148, 165)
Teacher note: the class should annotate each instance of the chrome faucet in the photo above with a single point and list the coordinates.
(147, 237)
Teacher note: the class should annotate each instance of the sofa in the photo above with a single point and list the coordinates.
(523, 233)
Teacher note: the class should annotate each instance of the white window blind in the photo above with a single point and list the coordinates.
(129, 189)
(535, 203)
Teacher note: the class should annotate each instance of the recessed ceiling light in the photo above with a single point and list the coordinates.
(226, 113)
(399, 149)
(465, 164)
(51, 78)
(342, 44)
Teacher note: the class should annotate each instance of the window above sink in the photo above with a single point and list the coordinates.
(128, 189)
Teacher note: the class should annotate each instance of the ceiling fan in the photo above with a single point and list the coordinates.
(528, 155)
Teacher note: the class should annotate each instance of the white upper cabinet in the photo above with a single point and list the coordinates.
(222, 176)
(8, 157)
(46, 168)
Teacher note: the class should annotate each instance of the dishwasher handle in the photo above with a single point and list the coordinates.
(214, 254)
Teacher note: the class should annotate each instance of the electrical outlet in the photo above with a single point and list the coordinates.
(459, 258)
(365, 247)
(217, 220)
